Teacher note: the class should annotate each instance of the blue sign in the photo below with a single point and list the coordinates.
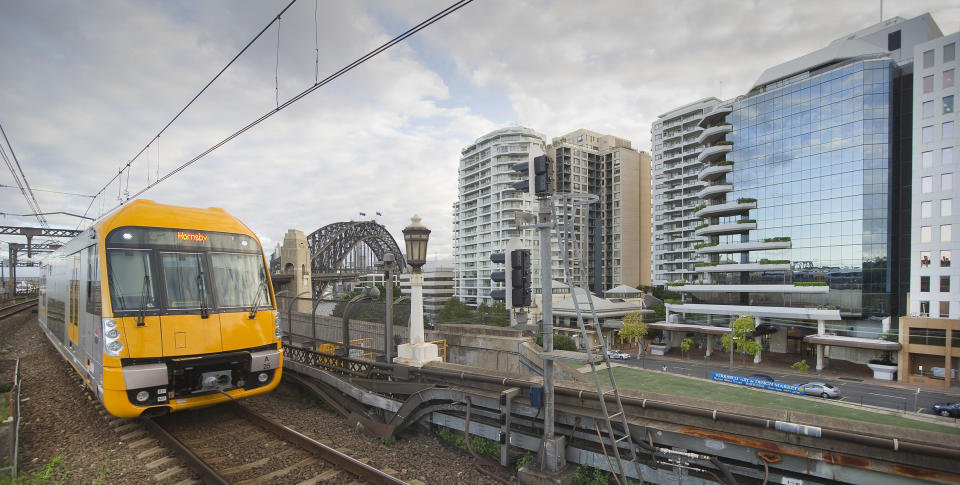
(753, 382)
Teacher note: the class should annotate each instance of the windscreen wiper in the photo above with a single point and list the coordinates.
(256, 303)
(141, 321)
(203, 296)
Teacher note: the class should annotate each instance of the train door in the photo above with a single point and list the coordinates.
(189, 324)
(90, 324)
(73, 297)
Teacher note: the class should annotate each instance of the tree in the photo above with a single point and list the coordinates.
(744, 343)
(634, 328)
(499, 315)
(685, 345)
(455, 311)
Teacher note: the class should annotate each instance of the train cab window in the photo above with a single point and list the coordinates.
(239, 280)
(184, 281)
(93, 281)
(130, 280)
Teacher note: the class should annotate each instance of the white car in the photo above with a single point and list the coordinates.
(616, 354)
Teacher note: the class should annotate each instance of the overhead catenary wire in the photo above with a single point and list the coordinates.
(189, 103)
(3, 186)
(413, 30)
(21, 178)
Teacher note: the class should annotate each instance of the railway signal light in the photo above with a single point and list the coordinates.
(538, 176)
(516, 276)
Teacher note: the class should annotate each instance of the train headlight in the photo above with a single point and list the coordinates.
(114, 348)
(262, 377)
(276, 332)
(109, 323)
(142, 396)
(112, 333)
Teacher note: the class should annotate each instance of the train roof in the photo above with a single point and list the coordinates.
(148, 213)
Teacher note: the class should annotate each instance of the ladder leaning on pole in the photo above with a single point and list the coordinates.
(565, 237)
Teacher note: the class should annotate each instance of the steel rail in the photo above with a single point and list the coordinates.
(363, 471)
(17, 308)
(206, 474)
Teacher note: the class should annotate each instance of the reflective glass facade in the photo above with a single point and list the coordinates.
(814, 153)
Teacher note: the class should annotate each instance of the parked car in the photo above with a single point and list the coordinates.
(950, 409)
(821, 389)
(616, 354)
(762, 377)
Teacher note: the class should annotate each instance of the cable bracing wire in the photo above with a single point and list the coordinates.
(413, 30)
(28, 192)
(50, 191)
(127, 166)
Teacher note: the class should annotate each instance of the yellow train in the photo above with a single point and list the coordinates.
(161, 308)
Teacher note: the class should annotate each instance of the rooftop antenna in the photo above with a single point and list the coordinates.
(881, 10)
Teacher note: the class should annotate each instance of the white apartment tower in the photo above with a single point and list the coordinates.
(484, 214)
(677, 146)
(935, 212)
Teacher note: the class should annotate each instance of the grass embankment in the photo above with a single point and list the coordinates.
(660, 383)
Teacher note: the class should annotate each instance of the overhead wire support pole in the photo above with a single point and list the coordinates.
(413, 30)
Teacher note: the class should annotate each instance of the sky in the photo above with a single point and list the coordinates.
(86, 85)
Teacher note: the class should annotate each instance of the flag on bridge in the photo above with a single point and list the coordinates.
(364, 214)
(379, 214)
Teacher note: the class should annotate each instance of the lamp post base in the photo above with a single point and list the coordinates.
(417, 355)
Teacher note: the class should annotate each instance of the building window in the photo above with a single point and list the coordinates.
(926, 134)
(924, 284)
(946, 233)
(928, 84)
(926, 209)
(945, 258)
(947, 130)
(948, 78)
(928, 59)
(946, 207)
(924, 312)
(926, 185)
(927, 158)
(925, 233)
(948, 104)
(928, 109)
(893, 40)
(946, 156)
(924, 259)
(946, 181)
(949, 52)
(944, 284)
(944, 309)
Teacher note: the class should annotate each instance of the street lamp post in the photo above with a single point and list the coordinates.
(417, 352)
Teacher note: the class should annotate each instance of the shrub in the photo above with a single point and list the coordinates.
(773, 261)
(673, 301)
(747, 221)
(724, 162)
(703, 245)
(776, 239)
(723, 143)
(701, 264)
(676, 283)
(801, 366)
(701, 206)
(560, 342)
(810, 283)
(701, 226)
(746, 200)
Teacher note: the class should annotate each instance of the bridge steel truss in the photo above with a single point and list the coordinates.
(331, 245)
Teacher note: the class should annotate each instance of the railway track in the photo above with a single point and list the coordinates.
(230, 443)
(11, 310)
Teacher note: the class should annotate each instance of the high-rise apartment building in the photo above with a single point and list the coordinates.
(677, 145)
(615, 232)
(484, 214)
(805, 208)
(934, 283)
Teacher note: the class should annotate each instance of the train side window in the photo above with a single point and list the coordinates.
(93, 281)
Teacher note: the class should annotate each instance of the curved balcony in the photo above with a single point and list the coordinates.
(714, 133)
(735, 268)
(714, 116)
(728, 228)
(714, 190)
(744, 247)
(715, 152)
(728, 209)
(714, 171)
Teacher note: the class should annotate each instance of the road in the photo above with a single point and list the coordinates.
(852, 392)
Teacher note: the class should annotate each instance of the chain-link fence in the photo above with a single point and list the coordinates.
(320, 325)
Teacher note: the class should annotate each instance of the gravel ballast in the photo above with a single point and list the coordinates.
(64, 433)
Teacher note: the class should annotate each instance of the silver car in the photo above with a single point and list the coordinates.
(821, 389)
(616, 354)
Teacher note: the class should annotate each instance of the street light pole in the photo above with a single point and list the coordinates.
(417, 352)
(388, 265)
